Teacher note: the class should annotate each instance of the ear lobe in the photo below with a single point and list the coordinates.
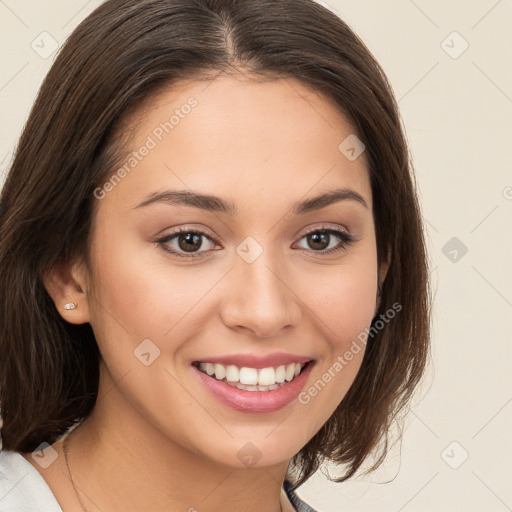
(63, 287)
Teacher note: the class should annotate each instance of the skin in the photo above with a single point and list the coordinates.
(157, 439)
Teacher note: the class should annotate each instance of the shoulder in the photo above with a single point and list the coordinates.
(22, 488)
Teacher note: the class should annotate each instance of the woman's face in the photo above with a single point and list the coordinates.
(255, 278)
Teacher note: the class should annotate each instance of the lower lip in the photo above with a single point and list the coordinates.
(255, 401)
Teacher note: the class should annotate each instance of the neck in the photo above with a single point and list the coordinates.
(119, 461)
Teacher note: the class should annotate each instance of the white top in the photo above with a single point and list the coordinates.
(23, 489)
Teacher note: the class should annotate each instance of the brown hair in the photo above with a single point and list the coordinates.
(117, 57)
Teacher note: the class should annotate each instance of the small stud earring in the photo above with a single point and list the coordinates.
(70, 305)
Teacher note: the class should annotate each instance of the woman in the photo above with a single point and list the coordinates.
(213, 273)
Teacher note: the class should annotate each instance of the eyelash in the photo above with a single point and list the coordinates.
(346, 240)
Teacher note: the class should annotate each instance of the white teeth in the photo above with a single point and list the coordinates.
(248, 376)
(261, 379)
(266, 377)
(220, 371)
(247, 388)
(290, 372)
(280, 373)
(232, 373)
(254, 388)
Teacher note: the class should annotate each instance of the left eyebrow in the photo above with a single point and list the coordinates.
(323, 200)
(217, 204)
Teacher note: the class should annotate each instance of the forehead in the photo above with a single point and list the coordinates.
(238, 137)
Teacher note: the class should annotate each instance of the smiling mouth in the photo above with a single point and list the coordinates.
(253, 379)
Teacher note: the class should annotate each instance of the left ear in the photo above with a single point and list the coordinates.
(66, 282)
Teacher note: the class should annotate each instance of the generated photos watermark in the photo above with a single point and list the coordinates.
(343, 360)
(151, 142)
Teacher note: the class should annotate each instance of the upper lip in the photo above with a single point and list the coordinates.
(256, 361)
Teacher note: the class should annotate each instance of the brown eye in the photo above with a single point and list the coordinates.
(187, 243)
(318, 240)
(324, 240)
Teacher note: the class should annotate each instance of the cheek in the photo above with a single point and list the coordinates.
(342, 305)
(138, 293)
(350, 307)
(342, 299)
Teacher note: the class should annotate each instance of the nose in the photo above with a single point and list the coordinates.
(260, 298)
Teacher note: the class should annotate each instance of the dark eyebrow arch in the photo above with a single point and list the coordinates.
(216, 204)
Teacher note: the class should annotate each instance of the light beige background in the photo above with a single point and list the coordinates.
(457, 113)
